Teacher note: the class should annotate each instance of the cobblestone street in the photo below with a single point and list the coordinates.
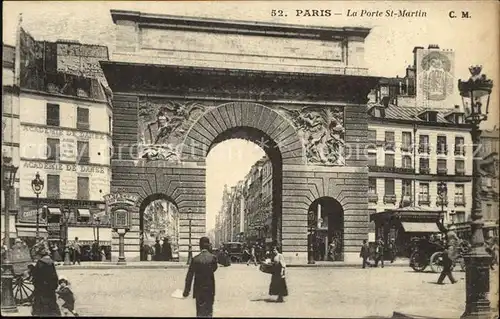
(242, 291)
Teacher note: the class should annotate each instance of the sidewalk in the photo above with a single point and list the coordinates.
(22, 311)
(174, 265)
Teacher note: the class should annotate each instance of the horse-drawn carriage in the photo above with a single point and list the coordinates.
(427, 252)
(22, 260)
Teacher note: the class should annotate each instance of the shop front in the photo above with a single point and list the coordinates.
(88, 237)
(403, 224)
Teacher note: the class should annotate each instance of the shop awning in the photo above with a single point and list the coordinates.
(86, 235)
(83, 212)
(54, 211)
(416, 227)
(31, 232)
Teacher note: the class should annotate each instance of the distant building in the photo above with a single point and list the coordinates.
(64, 133)
(490, 176)
(418, 140)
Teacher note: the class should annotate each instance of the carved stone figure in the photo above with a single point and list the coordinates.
(163, 127)
(322, 132)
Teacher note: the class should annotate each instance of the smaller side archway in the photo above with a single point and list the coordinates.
(327, 237)
(159, 228)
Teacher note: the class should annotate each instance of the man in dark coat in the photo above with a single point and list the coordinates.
(447, 267)
(379, 253)
(157, 255)
(392, 249)
(45, 282)
(202, 268)
(167, 250)
(365, 253)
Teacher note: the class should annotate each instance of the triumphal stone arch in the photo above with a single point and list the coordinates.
(181, 85)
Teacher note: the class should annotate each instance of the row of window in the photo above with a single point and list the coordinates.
(407, 194)
(82, 148)
(82, 117)
(407, 162)
(423, 143)
(54, 187)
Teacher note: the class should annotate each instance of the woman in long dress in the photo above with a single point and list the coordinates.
(278, 282)
(45, 282)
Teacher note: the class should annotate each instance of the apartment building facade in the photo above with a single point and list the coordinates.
(65, 137)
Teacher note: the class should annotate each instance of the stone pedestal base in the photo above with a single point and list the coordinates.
(477, 278)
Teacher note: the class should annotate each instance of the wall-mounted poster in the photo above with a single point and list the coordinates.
(435, 78)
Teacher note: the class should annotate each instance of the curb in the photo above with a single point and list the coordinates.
(132, 265)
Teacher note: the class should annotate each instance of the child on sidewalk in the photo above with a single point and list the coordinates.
(65, 294)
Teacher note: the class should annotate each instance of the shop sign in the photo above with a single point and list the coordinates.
(28, 215)
(121, 198)
(66, 167)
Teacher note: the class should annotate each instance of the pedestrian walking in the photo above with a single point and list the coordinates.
(202, 268)
(278, 285)
(56, 256)
(365, 253)
(252, 256)
(332, 247)
(45, 282)
(447, 267)
(392, 250)
(77, 252)
(157, 255)
(379, 253)
(167, 250)
(67, 298)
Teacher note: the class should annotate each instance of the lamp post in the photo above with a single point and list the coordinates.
(190, 248)
(310, 250)
(37, 186)
(8, 301)
(442, 193)
(475, 94)
(65, 220)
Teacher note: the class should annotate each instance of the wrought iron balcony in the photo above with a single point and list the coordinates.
(389, 199)
(406, 148)
(424, 200)
(460, 150)
(442, 171)
(372, 197)
(459, 171)
(459, 201)
(391, 169)
(424, 149)
(424, 170)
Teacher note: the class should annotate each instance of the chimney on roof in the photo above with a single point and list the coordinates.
(415, 51)
(433, 47)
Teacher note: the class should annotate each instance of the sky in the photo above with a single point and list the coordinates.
(388, 48)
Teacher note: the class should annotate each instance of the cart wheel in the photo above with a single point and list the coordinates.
(22, 287)
(436, 261)
(416, 262)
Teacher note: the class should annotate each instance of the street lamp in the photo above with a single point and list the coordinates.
(37, 186)
(442, 190)
(311, 227)
(190, 248)
(65, 221)
(8, 301)
(475, 94)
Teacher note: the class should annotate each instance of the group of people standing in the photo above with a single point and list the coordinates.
(378, 255)
(162, 252)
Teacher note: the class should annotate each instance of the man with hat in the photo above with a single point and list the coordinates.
(202, 268)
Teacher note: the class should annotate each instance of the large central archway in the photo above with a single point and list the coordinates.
(255, 123)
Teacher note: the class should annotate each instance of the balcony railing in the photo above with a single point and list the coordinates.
(424, 149)
(459, 201)
(372, 197)
(424, 170)
(406, 148)
(424, 200)
(442, 150)
(391, 169)
(389, 199)
(460, 150)
(389, 145)
(459, 171)
(442, 171)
